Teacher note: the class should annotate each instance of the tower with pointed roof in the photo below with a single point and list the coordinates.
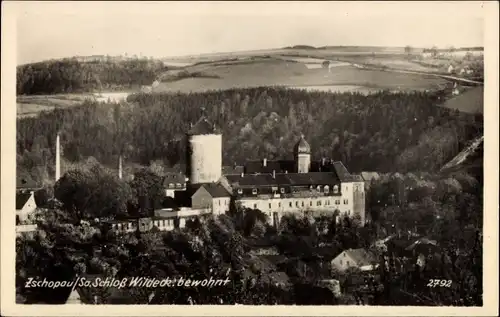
(302, 153)
(204, 153)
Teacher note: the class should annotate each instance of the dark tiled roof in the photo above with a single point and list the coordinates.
(216, 190)
(21, 199)
(342, 172)
(362, 257)
(203, 126)
(290, 179)
(174, 178)
(280, 166)
(227, 170)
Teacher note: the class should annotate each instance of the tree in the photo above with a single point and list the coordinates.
(148, 190)
(92, 194)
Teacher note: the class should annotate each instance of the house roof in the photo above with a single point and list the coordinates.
(226, 170)
(362, 257)
(279, 166)
(22, 199)
(287, 179)
(174, 178)
(203, 126)
(216, 190)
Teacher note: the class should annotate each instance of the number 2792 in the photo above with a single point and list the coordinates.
(439, 283)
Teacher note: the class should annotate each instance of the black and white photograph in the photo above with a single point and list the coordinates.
(284, 154)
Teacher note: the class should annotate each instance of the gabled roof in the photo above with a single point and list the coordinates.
(362, 257)
(22, 199)
(215, 190)
(203, 126)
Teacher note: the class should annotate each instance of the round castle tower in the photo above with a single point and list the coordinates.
(302, 153)
(204, 153)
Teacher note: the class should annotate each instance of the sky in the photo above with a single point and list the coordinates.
(161, 29)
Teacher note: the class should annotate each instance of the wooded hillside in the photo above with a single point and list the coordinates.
(384, 132)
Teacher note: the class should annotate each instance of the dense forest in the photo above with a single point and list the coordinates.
(384, 132)
(70, 75)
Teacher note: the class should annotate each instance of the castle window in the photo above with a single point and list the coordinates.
(302, 204)
(291, 204)
(335, 189)
(346, 201)
(318, 188)
(269, 206)
(282, 190)
(240, 191)
(171, 185)
(311, 187)
(310, 203)
(279, 205)
(254, 206)
(179, 185)
(254, 191)
(297, 204)
(327, 189)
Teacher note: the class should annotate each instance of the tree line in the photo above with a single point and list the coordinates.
(70, 75)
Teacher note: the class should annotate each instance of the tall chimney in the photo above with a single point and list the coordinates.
(264, 162)
(58, 159)
(120, 169)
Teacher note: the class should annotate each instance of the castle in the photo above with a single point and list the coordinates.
(273, 187)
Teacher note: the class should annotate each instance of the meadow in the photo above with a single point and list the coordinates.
(270, 71)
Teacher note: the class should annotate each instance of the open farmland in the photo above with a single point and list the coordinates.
(29, 106)
(471, 101)
(278, 72)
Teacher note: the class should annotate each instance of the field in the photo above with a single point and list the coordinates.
(471, 101)
(290, 72)
(359, 69)
(28, 106)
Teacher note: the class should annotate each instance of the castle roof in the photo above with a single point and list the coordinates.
(302, 146)
(288, 179)
(203, 126)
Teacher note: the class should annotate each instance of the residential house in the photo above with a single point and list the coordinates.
(361, 259)
(172, 182)
(211, 196)
(25, 207)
